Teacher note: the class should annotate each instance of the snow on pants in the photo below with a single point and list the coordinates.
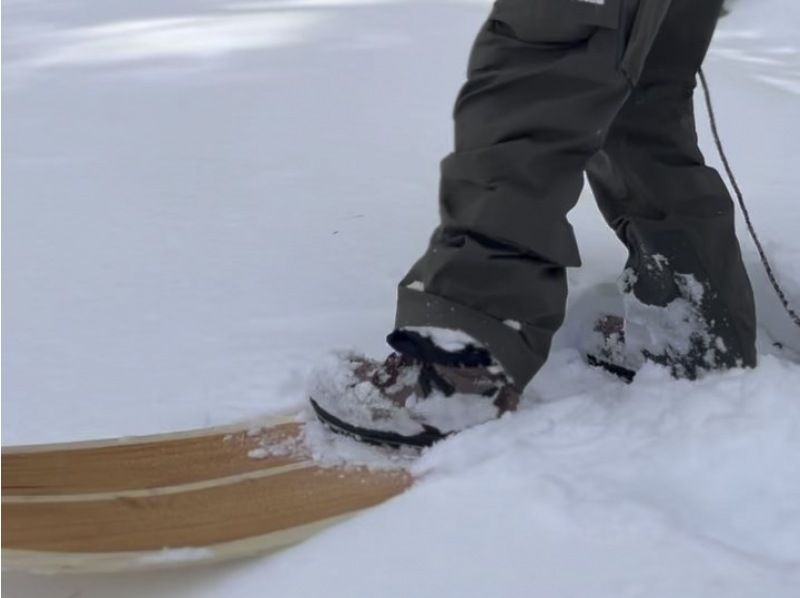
(557, 88)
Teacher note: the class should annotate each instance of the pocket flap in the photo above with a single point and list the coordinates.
(548, 16)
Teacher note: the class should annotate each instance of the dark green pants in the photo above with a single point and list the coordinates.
(557, 88)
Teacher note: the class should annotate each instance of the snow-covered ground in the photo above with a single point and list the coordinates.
(202, 197)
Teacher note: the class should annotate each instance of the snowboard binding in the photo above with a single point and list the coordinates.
(424, 439)
(607, 350)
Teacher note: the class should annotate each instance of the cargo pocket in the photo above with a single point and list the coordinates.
(554, 22)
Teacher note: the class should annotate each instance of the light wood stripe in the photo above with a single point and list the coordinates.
(161, 490)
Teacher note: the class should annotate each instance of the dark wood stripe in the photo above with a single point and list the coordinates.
(151, 463)
(197, 518)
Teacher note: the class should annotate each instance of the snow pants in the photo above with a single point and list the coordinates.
(557, 88)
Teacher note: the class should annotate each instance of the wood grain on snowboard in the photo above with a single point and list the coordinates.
(197, 518)
(112, 505)
(147, 462)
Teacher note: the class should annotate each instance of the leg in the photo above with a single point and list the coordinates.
(546, 80)
(674, 213)
(543, 87)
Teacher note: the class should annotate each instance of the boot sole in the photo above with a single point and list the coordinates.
(620, 372)
(377, 437)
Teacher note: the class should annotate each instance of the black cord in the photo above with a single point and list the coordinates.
(767, 267)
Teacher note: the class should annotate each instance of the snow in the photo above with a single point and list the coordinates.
(368, 408)
(673, 329)
(204, 197)
(177, 555)
(340, 451)
(445, 338)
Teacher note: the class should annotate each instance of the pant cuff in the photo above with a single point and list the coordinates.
(503, 341)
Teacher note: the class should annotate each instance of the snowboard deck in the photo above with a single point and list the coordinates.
(175, 499)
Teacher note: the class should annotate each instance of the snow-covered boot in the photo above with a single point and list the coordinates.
(610, 348)
(429, 388)
(606, 348)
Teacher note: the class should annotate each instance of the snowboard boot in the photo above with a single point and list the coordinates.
(608, 350)
(436, 383)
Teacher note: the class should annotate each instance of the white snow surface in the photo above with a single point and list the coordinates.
(177, 555)
(204, 197)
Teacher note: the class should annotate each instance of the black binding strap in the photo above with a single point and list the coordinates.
(423, 349)
(429, 436)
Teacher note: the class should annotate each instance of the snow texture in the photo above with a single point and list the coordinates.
(366, 406)
(340, 451)
(673, 330)
(177, 555)
(444, 338)
(202, 198)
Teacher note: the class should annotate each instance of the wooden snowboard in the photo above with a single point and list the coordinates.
(174, 499)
